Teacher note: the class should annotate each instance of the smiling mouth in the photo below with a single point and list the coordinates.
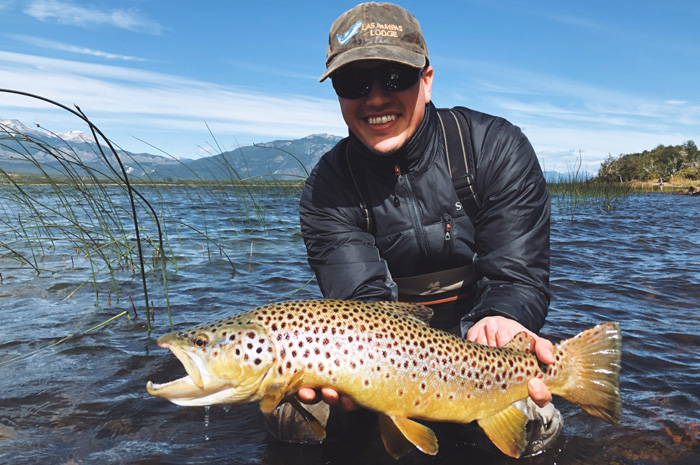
(377, 120)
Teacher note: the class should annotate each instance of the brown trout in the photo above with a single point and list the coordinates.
(386, 358)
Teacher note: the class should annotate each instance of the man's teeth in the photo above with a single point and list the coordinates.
(381, 119)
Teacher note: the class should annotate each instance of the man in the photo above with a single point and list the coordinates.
(380, 215)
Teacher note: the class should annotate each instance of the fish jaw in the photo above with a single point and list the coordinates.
(188, 390)
(228, 370)
(186, 393)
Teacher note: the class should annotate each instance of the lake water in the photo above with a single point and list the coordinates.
(84, 401)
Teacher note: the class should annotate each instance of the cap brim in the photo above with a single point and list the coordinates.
(377, 52)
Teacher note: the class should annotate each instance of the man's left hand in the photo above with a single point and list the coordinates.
(497, 331)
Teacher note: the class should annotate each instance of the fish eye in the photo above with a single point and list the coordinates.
(200, 341)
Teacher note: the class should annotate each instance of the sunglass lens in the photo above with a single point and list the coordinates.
(352, 84)
(396, 79)
(355, 83)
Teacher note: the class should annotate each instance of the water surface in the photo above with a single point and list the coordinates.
(84, 400)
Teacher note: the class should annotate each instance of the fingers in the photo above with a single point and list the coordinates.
(348, 404)
(503, 337)
(328, 395)
(490, 331)
(538, 392)
(544, 350)
(308, 396)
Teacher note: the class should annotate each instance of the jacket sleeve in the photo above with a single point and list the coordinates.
(512, 229)
(341, 253)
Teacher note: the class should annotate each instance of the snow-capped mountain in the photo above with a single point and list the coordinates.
(26, 150)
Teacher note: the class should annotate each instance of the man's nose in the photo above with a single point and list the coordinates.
(377, 94)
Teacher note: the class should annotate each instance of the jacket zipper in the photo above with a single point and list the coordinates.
(413, 208)
(449, 243)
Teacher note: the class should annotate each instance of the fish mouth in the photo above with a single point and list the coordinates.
(193, 389)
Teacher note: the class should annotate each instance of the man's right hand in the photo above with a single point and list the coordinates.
(327, 395)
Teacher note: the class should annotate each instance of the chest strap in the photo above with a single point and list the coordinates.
(460, 159)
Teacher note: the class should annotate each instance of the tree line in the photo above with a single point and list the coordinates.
(663, 162)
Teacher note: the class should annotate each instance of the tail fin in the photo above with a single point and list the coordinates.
(589, 366)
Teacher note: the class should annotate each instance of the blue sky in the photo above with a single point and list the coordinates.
(596, 77)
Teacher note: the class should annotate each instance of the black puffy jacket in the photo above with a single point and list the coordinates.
(412, 199)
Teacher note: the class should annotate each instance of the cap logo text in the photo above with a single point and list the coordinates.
(382, 29)
(343, 39)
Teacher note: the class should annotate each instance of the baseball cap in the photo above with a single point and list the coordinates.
(375, 31)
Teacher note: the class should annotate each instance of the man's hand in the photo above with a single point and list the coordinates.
(328, 395)
(497, 331)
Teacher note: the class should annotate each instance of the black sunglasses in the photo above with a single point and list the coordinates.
(354, 83)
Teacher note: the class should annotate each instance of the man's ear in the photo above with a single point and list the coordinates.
(427, 78)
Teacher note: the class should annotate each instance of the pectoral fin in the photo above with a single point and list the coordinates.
(272, 397)
(394, 441)
(507, 430)
(276, 391)
(419, 435)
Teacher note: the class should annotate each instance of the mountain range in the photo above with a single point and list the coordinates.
(27, 150)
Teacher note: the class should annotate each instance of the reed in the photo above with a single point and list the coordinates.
(119, 228)
(575, 190)
(569, 196)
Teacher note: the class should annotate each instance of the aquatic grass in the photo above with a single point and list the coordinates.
(64, 161)
(575, 190)
(570, 196)
(67, 206)
(66, 338)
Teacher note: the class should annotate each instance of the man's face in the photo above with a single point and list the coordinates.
(385, 120)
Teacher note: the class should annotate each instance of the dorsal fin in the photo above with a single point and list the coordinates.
(418, 312)
(522, 342)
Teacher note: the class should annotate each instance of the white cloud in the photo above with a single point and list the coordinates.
(146, 104)
(90, 16)
(562, 116)
(50, 44)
